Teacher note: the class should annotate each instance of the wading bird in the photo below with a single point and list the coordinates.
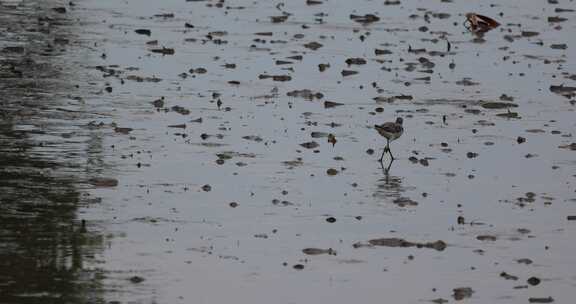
(390, 131)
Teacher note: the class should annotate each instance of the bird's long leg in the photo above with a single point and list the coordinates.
(386, 149)
(390, 152)
(382, 156)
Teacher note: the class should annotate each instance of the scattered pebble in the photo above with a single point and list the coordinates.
(462, 293)
(318, 251)
(533, 281)
(137, 279)
(541, 300)
(332, 171)
(331, 219)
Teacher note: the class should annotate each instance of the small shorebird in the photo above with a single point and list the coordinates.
(390, 131)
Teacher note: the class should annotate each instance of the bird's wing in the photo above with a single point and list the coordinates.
(390, 127)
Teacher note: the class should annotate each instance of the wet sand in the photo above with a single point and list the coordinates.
(212, 152)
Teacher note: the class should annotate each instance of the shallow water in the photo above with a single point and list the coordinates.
(82, 118)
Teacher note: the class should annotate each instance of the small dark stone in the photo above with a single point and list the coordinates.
(298, 266)
(524, 261)
(357, 61)
(318, 251)
(323, 67)
(382, 52)
(533, 281)
(498, 105)
(143, 32)
(180, 110)
(158, 103)
(348, 73)
(331, 219)
(313, 45)
(137, 279)
(366, 19)
(541, 300)
(60, 10)
(332, 171)
(278, 19)
(508, 276)
(462, 293)
(331, 104)
(310, 145)
(164, 51)
(486, 238)
(471, 154)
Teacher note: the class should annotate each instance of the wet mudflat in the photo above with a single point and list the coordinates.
(217, 151)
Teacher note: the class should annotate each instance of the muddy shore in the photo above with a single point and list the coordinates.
(225, 151)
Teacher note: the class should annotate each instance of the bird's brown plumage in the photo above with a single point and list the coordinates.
(390, 130)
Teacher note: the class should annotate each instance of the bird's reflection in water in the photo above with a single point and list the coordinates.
(386, 169)
(389, 186)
